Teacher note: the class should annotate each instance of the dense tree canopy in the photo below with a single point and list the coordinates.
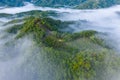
(74, 56)
(52, 3)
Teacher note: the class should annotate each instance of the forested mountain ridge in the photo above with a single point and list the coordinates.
(13, 2)
(75, 56)
(90, 4)
(43, 43)
(52, 3)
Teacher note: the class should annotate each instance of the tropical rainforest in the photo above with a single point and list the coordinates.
(81, 4)
(40, 41)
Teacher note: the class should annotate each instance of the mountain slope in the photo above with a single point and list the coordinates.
(89, 4)
(84, 4)
(12, 2)
(78, 3)
(73, 56)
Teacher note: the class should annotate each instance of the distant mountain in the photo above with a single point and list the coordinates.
(82, 4)
(58, 2)
(78, 3)
(13, 2)
(90, 4)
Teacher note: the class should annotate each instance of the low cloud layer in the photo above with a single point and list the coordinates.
(13, 54)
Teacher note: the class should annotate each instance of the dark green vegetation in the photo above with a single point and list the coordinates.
(82, 4)
(74, 56)
(91, 4)
(35, 13)
(12, 2)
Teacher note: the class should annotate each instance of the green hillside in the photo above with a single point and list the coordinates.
(74, 56)
(82, 4)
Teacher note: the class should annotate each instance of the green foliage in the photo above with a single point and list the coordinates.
(14, 29)
(84, 65)
(57, 2)
(5, 15)
(82, 4)
(83, 34)
(92, 4)
(12, 2)
(87, 34)
(31, 27)
(35, 13)
(14, 21)
(74, 56)
(98, 41)
(53, 42)
(41, 29)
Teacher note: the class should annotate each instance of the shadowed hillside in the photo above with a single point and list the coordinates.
(81, 4)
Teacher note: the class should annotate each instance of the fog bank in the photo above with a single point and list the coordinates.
(17, 56)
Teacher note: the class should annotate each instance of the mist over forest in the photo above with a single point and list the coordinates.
(59, 40)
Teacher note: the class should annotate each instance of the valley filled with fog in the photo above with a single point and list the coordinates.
(16, 56)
